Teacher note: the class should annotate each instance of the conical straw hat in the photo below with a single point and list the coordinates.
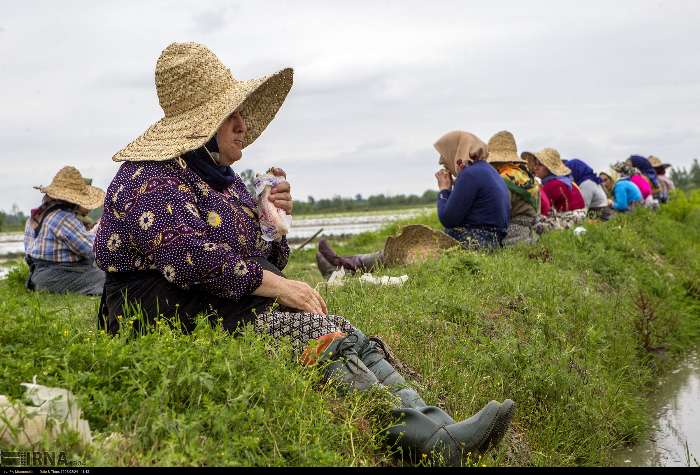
(416, 243)
(550, 158)
(69, 185)
(502, 148)
(197, 93)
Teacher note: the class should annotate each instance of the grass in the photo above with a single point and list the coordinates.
(574, 329)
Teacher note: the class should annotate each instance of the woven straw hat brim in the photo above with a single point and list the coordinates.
(556, 167)
(504, 157)
(416, 243)
(657, 163)
(257, 99)
(91, 198)
(502, 149)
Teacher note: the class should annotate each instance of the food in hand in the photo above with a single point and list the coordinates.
(274, 222)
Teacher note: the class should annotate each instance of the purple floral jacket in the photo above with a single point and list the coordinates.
(162, 215)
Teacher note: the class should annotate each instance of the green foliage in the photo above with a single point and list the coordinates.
(358, 203)
(686, 179)
(12, 221)
(574, 329)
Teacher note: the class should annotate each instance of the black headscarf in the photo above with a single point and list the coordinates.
(218, 177)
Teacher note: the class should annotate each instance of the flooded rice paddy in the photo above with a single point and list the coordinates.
(675, 440)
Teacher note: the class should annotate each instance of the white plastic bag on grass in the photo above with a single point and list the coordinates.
(54, 411)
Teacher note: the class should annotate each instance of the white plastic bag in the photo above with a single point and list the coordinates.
(274, 222)
(53, 412)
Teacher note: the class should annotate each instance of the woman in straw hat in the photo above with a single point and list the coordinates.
(180, 236)
(475, 211)
(590, 185)
(524, 190)
(567, 205)
(666, 185)
(624, 192)
(57, 245)
(557, 182)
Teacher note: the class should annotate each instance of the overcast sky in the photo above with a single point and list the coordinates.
(376, 83)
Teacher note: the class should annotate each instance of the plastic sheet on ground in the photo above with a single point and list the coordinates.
(338, 279)
(54, 411)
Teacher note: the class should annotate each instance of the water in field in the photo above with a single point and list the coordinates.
(675, 441)
(303, 228)
(11, 244)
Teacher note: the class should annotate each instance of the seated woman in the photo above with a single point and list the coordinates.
(523, 188)
(645, 168)
(557, 182)
(567, 207)
(475, 208)
(475, 211)
(181, 236)
(625, 194)
(665, 183)
(57, 245)
(590, 185)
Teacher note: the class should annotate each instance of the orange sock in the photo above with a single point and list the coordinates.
(312, 353)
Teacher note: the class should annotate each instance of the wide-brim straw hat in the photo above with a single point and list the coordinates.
(502, 148)
(416, 243)
(197, 93)
(69, 185)
(657, 163)
(549, 158)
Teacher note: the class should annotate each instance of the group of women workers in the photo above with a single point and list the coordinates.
(181, 236)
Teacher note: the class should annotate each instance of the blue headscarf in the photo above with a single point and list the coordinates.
(642, 164)
(581, 171)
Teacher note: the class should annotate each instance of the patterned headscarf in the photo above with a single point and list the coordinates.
(520, 181)
(625, 170)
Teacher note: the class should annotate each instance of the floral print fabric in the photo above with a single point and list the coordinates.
(163, 216)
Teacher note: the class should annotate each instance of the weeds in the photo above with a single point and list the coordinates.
(556, 326)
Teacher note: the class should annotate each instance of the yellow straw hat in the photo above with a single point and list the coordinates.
(549, 158)
(197, 93)
(502, 148)
(416, 243)
(657, 163)
(69, 185)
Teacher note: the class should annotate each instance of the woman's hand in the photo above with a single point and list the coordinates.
(281, 195)
(291, 293)
(444, 179)
(302, 296)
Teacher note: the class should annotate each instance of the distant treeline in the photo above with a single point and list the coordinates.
(686, 179)
(14, 220)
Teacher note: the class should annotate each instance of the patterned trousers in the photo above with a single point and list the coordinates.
(300, 327)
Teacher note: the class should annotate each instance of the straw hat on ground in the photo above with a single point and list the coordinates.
(69, 185)
(197, 93)
(502, 148)
(657, 163)
(416, 243)
(549, 158)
